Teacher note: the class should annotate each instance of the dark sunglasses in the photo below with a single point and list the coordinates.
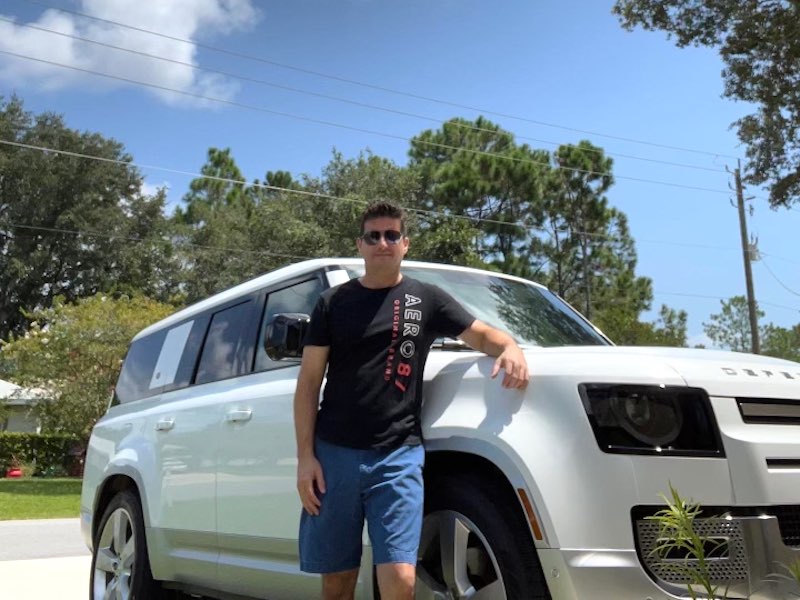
(392, 236)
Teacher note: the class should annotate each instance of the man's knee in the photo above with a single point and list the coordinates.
(339, 586)
(396, 581)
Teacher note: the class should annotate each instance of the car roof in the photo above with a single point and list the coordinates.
(291, 272)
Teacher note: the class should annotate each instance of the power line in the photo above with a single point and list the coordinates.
(359, 129)
(324, 196)
(373, 86)
(775, 277)
(348, 101)
(112, 237)
(321, 195)
(227, 249)
(708, 297)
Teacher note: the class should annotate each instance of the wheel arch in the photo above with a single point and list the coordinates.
(125, 478)
(476, 456)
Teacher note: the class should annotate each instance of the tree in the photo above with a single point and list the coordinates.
(588, 254)
(759, 42)
(73, 352)
(72, 226)
(670, 329)
(781, 342)
(730, 328)
(475, 169)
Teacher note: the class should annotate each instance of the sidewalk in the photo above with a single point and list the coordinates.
(45, 578)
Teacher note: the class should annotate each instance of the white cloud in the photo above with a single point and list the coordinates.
(700, 339)
(151, 189)
(185, 19)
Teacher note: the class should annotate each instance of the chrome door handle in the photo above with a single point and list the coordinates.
(165, 424)
(238, 416)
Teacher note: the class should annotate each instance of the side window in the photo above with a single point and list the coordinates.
(299, 298)
(223, 353)
(137, 370)
(160, 362)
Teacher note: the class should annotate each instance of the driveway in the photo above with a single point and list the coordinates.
(43, 559)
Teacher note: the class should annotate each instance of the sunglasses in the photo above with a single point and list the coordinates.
(372, 238)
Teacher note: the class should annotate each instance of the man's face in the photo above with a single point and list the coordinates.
(374, 246)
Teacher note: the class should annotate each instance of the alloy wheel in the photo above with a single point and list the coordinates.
(455, 561)
(116, 552)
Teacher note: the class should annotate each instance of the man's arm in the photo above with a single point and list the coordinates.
(494, 342)
(306, 404)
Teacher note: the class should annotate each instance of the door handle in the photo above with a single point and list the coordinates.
(239, 416)
(165, 424)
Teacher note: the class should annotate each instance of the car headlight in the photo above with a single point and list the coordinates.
(657, 419)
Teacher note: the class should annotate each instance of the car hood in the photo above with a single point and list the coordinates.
(720, 373)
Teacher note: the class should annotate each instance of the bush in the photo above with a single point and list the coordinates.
(51, 454)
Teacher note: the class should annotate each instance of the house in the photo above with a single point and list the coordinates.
(17, 403)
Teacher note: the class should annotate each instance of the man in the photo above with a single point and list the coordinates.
(359, 453)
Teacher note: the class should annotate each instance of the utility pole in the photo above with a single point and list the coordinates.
(748, 272)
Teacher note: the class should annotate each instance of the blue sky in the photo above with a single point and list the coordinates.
(566, 63)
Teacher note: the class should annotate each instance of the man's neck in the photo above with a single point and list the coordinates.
(379, 280)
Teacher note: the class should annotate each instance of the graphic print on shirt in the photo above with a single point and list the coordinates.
(411, 322)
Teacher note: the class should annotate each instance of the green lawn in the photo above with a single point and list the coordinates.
(39, 498)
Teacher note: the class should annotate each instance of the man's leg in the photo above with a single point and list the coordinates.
(339, 586)
(396, 581)
(393, 507)
(330, 542)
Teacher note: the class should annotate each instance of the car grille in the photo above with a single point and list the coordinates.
(769, 411)
(728, 565)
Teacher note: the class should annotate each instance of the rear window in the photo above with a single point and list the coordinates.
(160, 362)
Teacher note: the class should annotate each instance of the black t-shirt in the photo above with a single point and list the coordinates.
(379, 340)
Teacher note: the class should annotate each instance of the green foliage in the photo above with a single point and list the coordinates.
(73, 353)
(677, 533)
(46, 197)
(475, 169)
(47, 454)
(781, 342)
(626, 330)
(759, 43)
(730, 328)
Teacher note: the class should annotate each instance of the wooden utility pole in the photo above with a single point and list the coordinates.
(748, 272)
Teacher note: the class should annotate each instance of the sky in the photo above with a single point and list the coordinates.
(551, 72)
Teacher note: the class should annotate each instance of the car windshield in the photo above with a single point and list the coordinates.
(531, 314)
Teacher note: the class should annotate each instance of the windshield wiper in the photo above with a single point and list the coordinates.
(450, 344)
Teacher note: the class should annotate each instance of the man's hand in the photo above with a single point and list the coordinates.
(309, 480)
(497, 343)
(513, 362)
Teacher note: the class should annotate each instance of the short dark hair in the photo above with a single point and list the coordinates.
(384, 209)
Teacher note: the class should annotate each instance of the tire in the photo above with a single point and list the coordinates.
(120, 565)
(476, 543)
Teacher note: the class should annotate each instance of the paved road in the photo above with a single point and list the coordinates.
(45, 538)
(43, 560)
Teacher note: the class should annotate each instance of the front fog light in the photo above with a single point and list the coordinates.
(665, 420)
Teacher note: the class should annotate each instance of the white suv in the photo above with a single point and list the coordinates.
(190, 476)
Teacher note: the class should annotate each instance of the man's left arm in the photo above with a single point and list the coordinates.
(494, 342)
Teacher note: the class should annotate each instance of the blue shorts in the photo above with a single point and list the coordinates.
(383, 487)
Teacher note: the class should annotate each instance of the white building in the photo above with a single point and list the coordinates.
(18, 403)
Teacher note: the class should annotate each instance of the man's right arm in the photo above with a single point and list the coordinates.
(306, 404)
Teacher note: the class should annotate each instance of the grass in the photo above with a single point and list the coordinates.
(39, 498)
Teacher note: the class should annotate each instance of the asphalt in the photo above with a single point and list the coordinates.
(41, 538)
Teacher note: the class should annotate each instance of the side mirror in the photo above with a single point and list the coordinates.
(284, 335)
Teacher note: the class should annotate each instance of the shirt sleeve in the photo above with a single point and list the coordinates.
(449, 317)
(318, 332)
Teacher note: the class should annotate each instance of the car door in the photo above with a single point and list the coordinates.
(258, 508)
(185, 430)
